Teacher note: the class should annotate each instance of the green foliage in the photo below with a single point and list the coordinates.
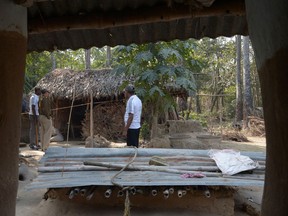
(37, 65)
(145, 131)
(204, 67)
(201, 118)
(157, 68)
(230, 101)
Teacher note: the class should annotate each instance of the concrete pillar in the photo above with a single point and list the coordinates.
(13, 46)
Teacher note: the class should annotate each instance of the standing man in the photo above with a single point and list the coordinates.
(45, 119)
(33, 117)
(132, 116)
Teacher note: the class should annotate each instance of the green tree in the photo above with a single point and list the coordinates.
(239, 93)
(157, 69)
(248, 101)
(37, 65)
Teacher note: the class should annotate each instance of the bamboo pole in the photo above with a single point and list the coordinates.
(259, 178)
(150, 168)
(73, 169)
(95, 168)
(73, 152)
(91, 115)
(70, 113)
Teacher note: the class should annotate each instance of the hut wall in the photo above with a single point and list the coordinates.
(107, 120)
(61, 117)
(25, 128)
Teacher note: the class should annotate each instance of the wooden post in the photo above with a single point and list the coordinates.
(13, 48)
(221, 115)
(71, 109)
(91, 115)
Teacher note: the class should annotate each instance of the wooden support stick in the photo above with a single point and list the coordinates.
(150, 168)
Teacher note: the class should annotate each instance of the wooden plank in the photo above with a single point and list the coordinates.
(146, 178)
(76, 152)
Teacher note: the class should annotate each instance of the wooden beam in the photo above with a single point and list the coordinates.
(24, 3)
(111, 19)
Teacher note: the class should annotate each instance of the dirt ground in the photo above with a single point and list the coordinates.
(30, 202)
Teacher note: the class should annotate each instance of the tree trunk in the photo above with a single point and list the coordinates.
(189, 100)
(87, 59)
(247, 103)
(154, 124)
(53, 60)
(198, 104)
(109, 56)
(155, 114)
(239, 95)
(13, 48)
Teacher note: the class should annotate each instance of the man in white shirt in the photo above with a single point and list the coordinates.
(33, 117)
(132, 117)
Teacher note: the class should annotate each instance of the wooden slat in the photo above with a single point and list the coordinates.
(63, 167)
(144, 178)
(58, 152)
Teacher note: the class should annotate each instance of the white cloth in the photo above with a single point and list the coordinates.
(230, 162)
(133, 106)
(34, 99)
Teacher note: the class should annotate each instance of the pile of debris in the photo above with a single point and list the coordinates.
(256, 126)
(234, 135)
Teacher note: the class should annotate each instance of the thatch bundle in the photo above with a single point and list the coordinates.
(107, 119)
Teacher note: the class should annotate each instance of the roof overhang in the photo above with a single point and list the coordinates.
(61, 24)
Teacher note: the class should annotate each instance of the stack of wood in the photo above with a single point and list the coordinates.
(71, 167)
(107, 120)
(256, 126)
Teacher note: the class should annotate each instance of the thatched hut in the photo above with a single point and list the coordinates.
(79, 88)
(70, 87)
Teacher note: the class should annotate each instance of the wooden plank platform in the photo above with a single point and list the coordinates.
(64, 168)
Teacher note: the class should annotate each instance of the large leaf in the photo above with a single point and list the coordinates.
(149, 76)
(166, 70)
(169, 52)
(120, 69)
(141, 92)
(155, 90)
(144, 56)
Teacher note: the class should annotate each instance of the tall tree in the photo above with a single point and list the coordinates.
(53, 60)
(108, 55)
(87, 59)
(239, 95)
(155, 68)
(248, 101)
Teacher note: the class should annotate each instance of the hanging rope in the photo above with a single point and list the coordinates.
(127, 204)
(127, 200)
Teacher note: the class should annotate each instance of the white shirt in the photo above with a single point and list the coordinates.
(133, 106)
(34, 99)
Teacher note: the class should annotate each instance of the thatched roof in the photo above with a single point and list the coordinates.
(103, 83)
